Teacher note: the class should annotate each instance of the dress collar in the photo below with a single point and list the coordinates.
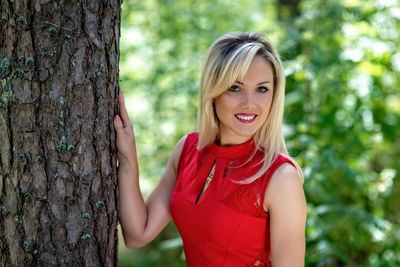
(232, 152)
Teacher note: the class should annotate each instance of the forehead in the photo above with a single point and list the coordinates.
(260, 69)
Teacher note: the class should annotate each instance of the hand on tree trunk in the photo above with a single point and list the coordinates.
(125, 135)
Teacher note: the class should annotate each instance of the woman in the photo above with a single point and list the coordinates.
(232, 190)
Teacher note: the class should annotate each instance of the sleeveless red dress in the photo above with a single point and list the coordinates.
(227, 226)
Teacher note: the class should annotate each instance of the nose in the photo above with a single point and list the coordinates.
(247, 99)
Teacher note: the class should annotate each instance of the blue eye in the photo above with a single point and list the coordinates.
(234, 88)
(262, 89)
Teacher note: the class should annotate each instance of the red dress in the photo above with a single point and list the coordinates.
(228, 225)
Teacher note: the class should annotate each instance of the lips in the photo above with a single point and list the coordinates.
(245, 118)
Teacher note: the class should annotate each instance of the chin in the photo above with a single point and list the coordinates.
(244, 135)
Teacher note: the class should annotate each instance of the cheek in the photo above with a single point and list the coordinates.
(221, 108)
(265, 105)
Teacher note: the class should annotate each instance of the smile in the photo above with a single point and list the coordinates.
(245, 118)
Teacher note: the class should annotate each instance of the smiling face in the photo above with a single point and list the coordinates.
(244, 107)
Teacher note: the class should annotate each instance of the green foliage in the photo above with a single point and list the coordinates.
(342, 112)
(340, 129)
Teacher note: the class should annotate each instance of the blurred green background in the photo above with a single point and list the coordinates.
(342, 111)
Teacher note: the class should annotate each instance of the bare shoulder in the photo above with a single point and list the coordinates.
(285, 185)
(286, 174)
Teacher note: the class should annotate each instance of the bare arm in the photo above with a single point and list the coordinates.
(141, 221)
(285, 200)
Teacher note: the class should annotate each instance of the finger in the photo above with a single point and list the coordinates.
(122, 109)
(118, 123)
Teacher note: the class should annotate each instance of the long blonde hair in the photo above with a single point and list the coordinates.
(228, 59)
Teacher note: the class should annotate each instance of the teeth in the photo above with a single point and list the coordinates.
(246, 118)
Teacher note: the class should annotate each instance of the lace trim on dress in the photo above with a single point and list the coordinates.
(261, 260)
(248, 199)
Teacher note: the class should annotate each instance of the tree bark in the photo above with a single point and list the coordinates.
(59, 85)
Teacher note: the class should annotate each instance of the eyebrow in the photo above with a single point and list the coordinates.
(257, 83)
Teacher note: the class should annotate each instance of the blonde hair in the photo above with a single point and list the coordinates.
(228, 59)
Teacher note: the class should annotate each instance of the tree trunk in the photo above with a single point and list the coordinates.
(59, 85)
